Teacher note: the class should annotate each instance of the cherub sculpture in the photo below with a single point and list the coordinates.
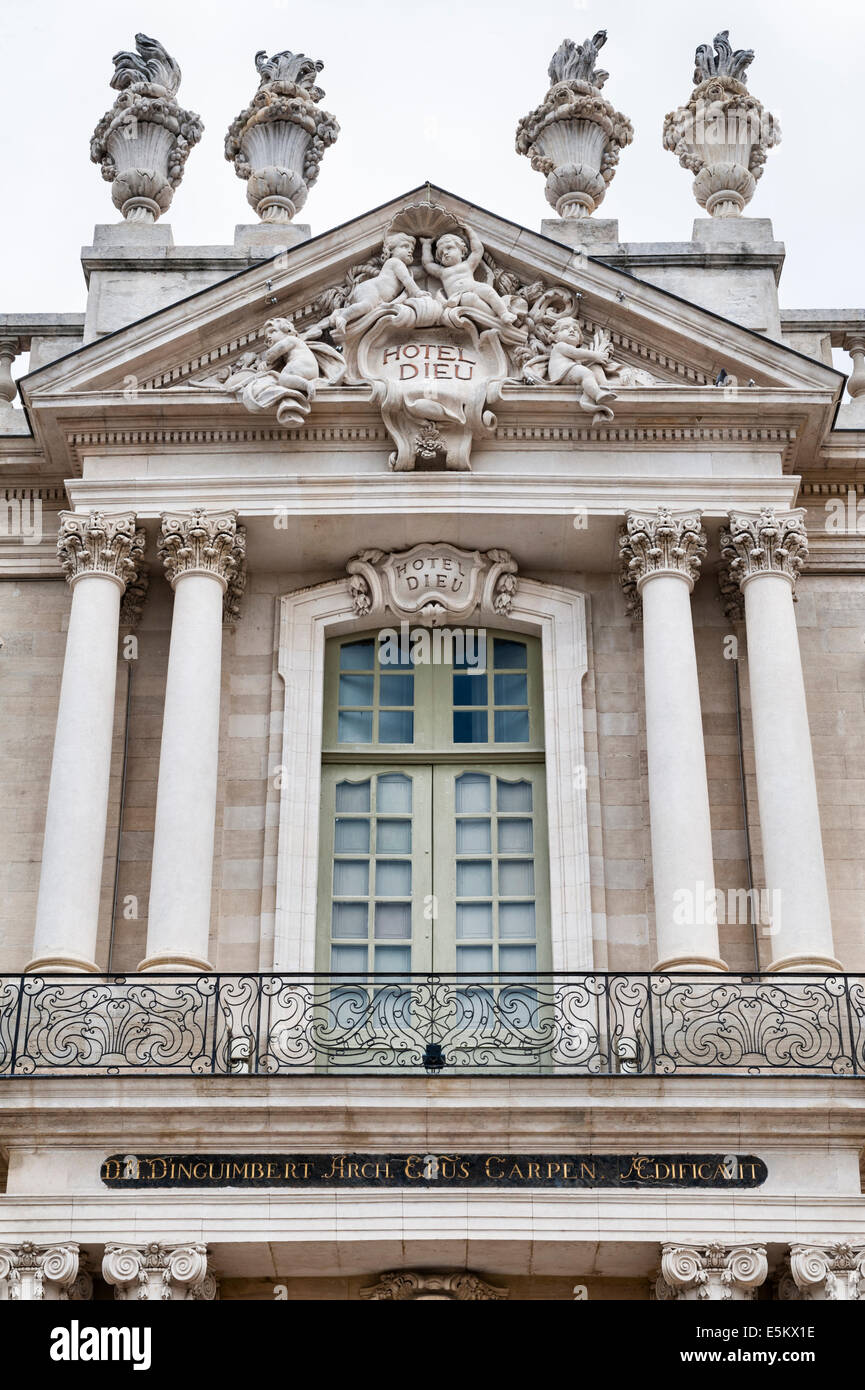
(285, 374)
(392, 283)
(572, 363)
(454, 264)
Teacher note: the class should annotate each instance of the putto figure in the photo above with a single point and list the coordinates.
(392, 283)
(572, 363)
(455, 264)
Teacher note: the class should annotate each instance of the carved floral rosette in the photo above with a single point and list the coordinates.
(143, 142)
(406, 1286)
(278, 141)
(723, 134)
(575, 136)
(432, 583)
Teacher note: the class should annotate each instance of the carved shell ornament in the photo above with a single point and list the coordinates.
(436, 326)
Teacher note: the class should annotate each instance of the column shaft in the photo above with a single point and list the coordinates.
(179, 915)
(96, 553)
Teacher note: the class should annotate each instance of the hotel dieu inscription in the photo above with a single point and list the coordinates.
(447, 1170)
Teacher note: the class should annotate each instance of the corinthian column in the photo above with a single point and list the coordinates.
(661, 554)
(158, 1272)
(50, 1273)
(203, 555)
(765, 554)
(100, 554)
(714, 1272)
(824, 1273)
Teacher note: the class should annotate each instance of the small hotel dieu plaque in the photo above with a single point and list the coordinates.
(439, 1170)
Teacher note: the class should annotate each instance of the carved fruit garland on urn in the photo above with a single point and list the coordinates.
(277, 142)
(143, 142)
(575, 136)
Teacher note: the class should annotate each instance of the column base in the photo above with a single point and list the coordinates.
(679, 963)
(62, 963)
(173, 965)
(823, 964)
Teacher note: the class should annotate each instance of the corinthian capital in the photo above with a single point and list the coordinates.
(765, 542)
(821, 1273)
(714, 1272)
(660, 542)
(201, 542)
(100, 543)
(30, 1273)
(158, 1272)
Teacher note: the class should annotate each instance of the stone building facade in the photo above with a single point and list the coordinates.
(527, 969)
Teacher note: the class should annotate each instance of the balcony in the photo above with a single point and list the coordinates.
(602, 1024)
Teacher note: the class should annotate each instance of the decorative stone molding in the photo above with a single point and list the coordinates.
(714, 1272)
(157, 1272)
(824, 1273)
(575, 136)
(277, 142)
(432, 584)
(723, 134)
(664, 542)
(143, 142)
(30, 1273)
(100, 543)
(765, 542)
(401, 1285)
(202, 542)
(285, 373)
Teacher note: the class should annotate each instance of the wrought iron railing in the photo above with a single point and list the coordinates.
(625, 1025)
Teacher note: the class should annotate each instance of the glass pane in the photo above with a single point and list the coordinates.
(349, 919)
(357, 656)
(517, 958)
(393, 836)
(514, 796)
(394, 654)
(352, 796)
(399, 690)
(393, 958)
(396, 726)
(515, 836)
(355, 726)
(470, 726)
(516, 878)
(512, 725)
(473, 836)
(516, 919)
(509, 656)
(474, 878)
(352, 836)
(392, 878)
(473, 792)
(351, 958)
(355, 690)
(350, 877)
(393, 793)
(471, 690)
(474, 959)
(511, 690)
(394, 919)
(475, 919)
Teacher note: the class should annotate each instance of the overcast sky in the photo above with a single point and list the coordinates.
(431, 91)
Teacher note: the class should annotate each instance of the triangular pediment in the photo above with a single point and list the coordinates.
(666, 354)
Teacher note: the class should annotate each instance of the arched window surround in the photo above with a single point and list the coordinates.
(307, 617)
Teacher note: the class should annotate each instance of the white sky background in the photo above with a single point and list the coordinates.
(430, 91)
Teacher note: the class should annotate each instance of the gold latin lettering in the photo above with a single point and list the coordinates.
(494, 1158)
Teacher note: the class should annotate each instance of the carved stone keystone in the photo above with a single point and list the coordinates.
(404, 1286)
(575, 136)
(723, 134)
(277, 142)
(715, 1272)
(432, 584)
(158, 1272)
(143, 142)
